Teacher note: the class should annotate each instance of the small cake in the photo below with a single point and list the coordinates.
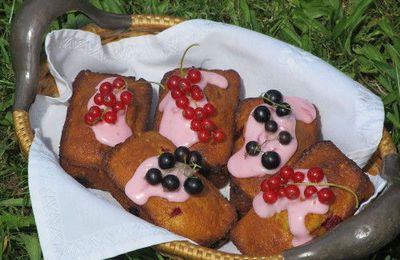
(322, 189)
(104, 110)
(197, 109)
(164, 183)
(271, 131)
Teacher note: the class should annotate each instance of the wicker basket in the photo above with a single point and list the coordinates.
(142, 25)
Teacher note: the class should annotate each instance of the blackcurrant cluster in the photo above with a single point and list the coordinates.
(166, 161)
(274, 98)
(269, 160)
(262, 114)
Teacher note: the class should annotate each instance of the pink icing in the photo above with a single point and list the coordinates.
(173, 125)
(139, 190)
(242, 166)
(297, 211)
(110, 134)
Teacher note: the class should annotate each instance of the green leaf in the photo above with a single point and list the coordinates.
(15, 202)
(254, 23)
(244, 8)
(393, 119)
(387, 27)
(370, 52)
(32, 246)
(390, 98)
(290, 35)
(350, 22)
(17, 221)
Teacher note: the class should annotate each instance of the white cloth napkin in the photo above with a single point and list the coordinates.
(73, 222)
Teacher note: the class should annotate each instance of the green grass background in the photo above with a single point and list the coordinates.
(359, 37)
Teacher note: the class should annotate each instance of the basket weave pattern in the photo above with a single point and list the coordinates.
(152, 24)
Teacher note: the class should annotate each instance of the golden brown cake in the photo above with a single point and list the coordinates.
(205, 217)
(81, 152)
(243, 190)
(256, 236)
(225, 100)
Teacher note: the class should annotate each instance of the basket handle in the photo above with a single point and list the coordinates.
(375, 226)
(28, 28)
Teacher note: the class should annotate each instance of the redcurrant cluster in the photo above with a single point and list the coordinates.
(184, 89)
(285, 184)
(108, 103)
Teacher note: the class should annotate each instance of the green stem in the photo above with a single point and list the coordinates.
(273, 103)
(332, 185)
(183, 57)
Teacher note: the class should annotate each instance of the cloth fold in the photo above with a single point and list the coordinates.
(74, 223)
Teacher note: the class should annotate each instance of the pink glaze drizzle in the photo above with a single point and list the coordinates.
(110, 134)
(173, 125)
(139, 190)
(297, 211)
(242, 166)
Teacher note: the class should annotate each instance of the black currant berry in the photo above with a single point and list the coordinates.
(261, 114)
(283, 109)
(284, 137)
(195, 158)
(252, 148)
(153, 176)
(170, 182)
(193, 185)
(271, 126)
(272, 96)
(182, 154)
(270, 160)
(166, 160)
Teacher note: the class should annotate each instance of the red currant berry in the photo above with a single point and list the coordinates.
(195, 125)
(270, 196)
(292, 192)
(110, 117)
(204, 135)
(196, 95)
(173, 81)
(326, 196)
(184, 85)
(109, 100)
(200, 113)
(195, 88)
(89, 119)
(182, 102)
(286, 172)
(98, 99)
(95, 111)
(105, 88)
(219, 136)
(194, 75)
(284, 181)
(210, 109)
(298, 177)
(281, 192)
(177, 93)
(119, 105)
(208, 124)
(309, 191)
(118, 83)
(315, 174)
(126, 97)
(264, 186)
(188, 112)
(274, 182)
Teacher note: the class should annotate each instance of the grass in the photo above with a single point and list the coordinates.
(359, 37)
